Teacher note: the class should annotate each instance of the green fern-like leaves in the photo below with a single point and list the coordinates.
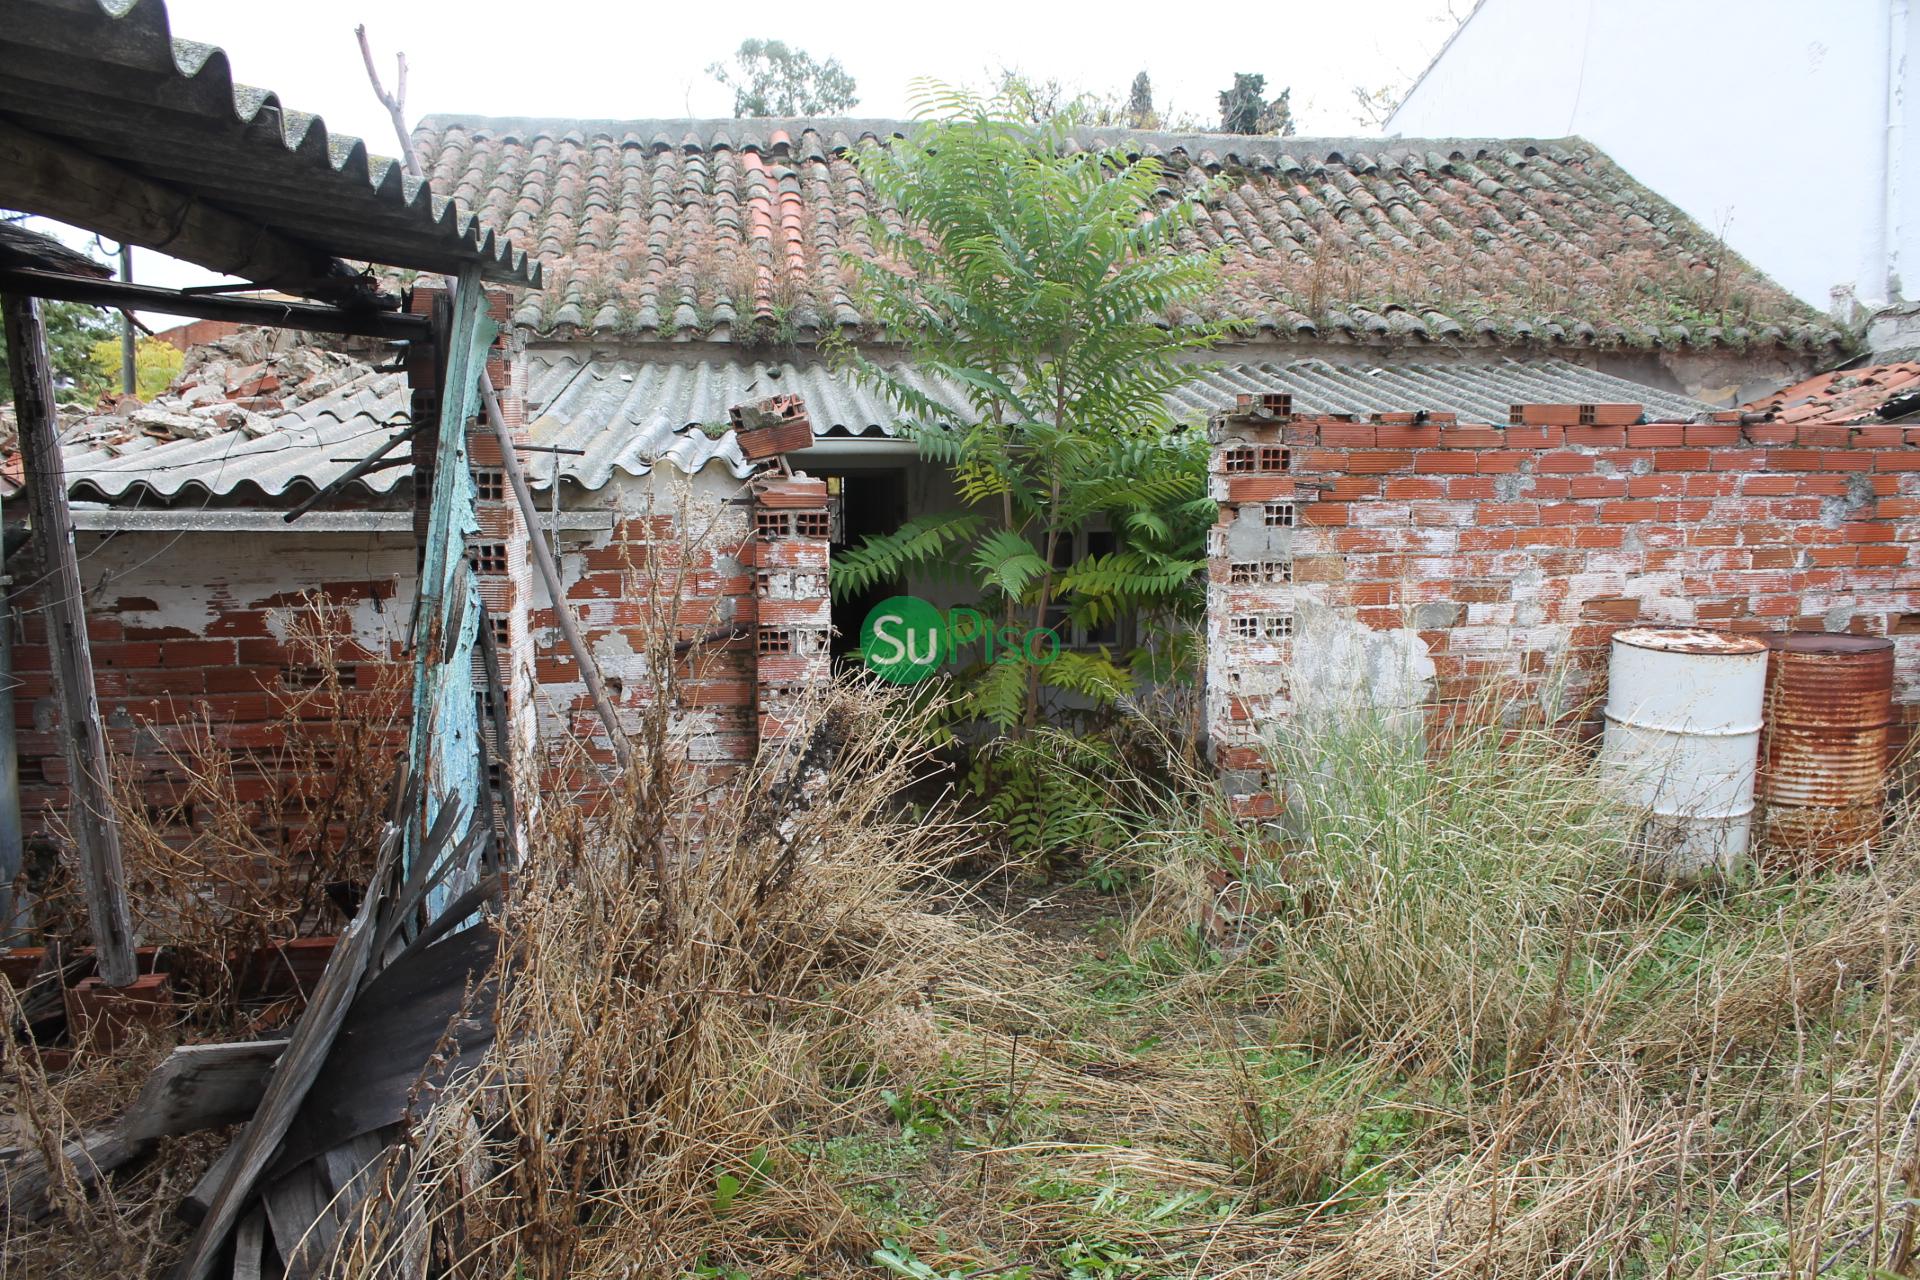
(1048, 308)
(921, 544)
(1007, 562)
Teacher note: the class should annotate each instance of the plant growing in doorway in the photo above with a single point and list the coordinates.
(1047, 285)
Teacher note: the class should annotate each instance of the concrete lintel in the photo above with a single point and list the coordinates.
(94, 518)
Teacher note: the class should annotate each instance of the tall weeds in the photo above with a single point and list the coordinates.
(1585, 1072)
(666, 1050)
(230, 849)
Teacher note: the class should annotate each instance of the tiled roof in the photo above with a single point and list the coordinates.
(740, 229)
(1876, 393)
(629, 415)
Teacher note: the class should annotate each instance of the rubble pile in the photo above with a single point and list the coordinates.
(237, 383)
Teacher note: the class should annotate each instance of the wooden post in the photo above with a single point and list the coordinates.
(95, 830)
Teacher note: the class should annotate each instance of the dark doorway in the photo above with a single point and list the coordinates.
(867, 502)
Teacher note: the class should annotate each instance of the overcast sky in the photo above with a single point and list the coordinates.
(637, 58)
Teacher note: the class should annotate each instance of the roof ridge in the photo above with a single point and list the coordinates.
(857, 127)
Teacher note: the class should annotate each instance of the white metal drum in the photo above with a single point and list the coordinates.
(1683, 734)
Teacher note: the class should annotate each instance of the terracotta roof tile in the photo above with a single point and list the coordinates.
(739, 229)
(1874, 393)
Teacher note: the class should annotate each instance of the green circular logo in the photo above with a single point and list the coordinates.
(904, 640)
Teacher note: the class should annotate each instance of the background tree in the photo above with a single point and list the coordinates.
(73, 330)
(1036, 100)
(155, 363)
(1140, 112)
(1045, 286)
(1245, 108)
(770, 78)
(1376, 106)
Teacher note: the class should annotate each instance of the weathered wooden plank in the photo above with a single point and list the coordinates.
(316, 1205)
(40, 175)
(379, 1059)
(91, 1158)
(308, 317)
(294, 1076)
(198, 1086)
(249, 1243)
(96, 833)
(194, 1205)
(442, 739)
(304, 1227)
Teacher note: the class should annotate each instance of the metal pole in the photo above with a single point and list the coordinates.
(129, 373)
(550, 573)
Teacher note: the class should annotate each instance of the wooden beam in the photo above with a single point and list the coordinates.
(96, 832)
(309, 316)
(197, 1086)
(40, 175)
(294, 1074)
(550, 574)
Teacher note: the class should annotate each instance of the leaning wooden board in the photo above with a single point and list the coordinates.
(197, 1086)
(298, 1067)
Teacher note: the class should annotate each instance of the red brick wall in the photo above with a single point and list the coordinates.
(191, 624)
(744, 598)
(195, 332)
(1513, 553)
(154, 670)
(793, 612)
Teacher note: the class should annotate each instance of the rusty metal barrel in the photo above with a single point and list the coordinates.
(1823, 748)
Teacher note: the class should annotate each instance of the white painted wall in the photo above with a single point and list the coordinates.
(1765, 120)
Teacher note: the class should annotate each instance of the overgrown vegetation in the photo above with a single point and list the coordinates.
(771, 78)
(73, 331)
(155, 365)
(1436, 1024)
(230, 851)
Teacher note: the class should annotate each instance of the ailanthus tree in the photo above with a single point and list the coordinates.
(1045, 283)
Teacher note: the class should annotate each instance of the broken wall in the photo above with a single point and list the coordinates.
(1410, 561)
(196, 623)
(734, 571)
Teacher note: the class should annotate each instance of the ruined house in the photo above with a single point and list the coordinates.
(695, 265)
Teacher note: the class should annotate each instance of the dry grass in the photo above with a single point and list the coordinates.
(227, 849)
(1442, 1027)
(668, 1043)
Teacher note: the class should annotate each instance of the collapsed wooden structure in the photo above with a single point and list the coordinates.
(109, 124)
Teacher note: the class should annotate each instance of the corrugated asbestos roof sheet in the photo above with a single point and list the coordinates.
(627, 415)
(299, 455)
(1874, 393)
(108, 77)
(740, 229)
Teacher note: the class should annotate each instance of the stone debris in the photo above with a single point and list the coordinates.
(239, 383)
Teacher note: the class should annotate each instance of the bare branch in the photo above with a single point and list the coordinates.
(395, 102)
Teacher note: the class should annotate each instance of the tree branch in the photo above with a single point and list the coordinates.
(395, 102)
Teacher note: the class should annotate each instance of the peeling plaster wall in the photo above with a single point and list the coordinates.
(196, 622)
(734, 572)
(677, 557)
